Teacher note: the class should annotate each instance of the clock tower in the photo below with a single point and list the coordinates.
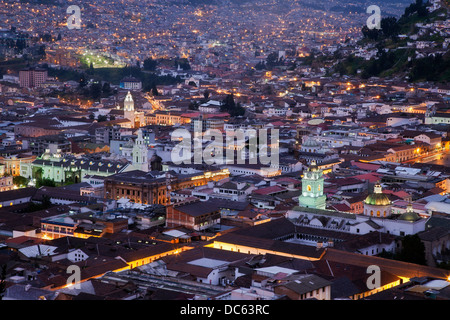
(312, 188)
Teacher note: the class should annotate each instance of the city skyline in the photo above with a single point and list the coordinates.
(228, 151)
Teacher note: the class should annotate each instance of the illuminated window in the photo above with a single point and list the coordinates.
(308, 188)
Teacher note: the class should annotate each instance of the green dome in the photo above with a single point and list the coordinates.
(378, 198)
(409, 216)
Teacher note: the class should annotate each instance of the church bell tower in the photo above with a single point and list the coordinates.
(312, 188)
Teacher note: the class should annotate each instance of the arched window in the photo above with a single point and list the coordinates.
(371, 212)
(378, 213)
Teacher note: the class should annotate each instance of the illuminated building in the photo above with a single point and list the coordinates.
(130, 83)
(377, 203)
(136, 117)
(312, 188)
(195, 215)
(32, 77)
(150, 188)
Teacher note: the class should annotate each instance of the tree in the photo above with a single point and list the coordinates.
(20, 181)
(83, 81)
(41, 51)
(372, 34)
(95, 90)
(193, 105)
(206, 95)
(155, 90)
(183, 63)
(38, 173)
(413, 250)
(106, 89)
(230, 106)
(272, 60)
(45, 182)
(389, 27)
(35, 206)
(102, 118)
(260, 66)
(91, 68)
(150, 64)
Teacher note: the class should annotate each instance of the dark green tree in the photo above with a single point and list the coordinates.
(389, 27)
(413, 250)
(45, 182)
(20, 181)
(155, 90)
(206, 94)
(95, 90)
(193, 105)
(230, 106)
(83, 81)
(150, 64)
(106, 89)
(273, 60)
(372, 34)
(102, 118)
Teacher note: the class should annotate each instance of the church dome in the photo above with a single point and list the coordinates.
(409, 215)
(378, 198)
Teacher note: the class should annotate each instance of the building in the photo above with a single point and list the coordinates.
(167, 118)
(135, 117)
(104, 135)
(319, 220)
(312, 188)
(54, 143)
(204, 122)
(15, 163)
(62, 169)
(6, 183)
(130, 83)
(38, 128)
(304, 286)
(377, 203)
(32, 77)
(195, 215)
(140, 153)
(155, 187)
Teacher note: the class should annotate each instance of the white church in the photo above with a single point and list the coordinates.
(377, 216)
(136, 118)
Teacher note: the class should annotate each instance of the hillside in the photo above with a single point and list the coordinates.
(414, 46)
